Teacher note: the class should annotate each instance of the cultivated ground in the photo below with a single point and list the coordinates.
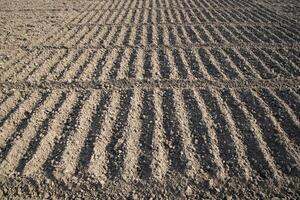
(149, 99)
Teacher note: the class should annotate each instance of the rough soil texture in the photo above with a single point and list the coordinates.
(149, 99)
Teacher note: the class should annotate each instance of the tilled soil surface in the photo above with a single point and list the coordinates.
(149, 99)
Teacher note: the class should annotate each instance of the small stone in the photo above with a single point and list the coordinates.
(46, 196)
(210, 183)
(102, 182)
(228, 197)
(188, 191)
(134, 196)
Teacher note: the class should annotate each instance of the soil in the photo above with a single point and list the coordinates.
(161, 99)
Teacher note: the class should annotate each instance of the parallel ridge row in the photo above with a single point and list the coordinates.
(154, 4)
(173, 15)
(148, 133)
(283, 33)
(174, 64)
(172, 35)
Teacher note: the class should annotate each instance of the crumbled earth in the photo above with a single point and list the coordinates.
(149, 99)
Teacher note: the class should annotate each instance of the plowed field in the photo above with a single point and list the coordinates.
(149, 99)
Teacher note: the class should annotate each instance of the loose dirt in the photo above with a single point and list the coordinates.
(149, 99)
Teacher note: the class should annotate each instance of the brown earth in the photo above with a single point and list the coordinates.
(149, 99)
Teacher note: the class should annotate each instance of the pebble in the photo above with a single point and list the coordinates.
(46, 196)
(188, 191)
(134, 196)
(228, 197)
(210, 183)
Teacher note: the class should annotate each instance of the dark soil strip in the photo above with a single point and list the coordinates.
(225, 142)
(170, 125)
(69, 65)
(148, 64)
(281, 114)
(100, 63)
(202, 34)
(13, 110)
(240, 63)
(116, 151)
(253, 151)
(182, 71)
(84, 65)
(256, 64)
(53, 67)
(284, 63)
(20, 128)
(69, 127)
(224, 64)
(193, 64)
(87, 150)
(41, 132)
(270, 134)
(291, 100)
(131, 64)
(199, 132)
(210, 67)
(148, 121)
(270, 64)
(164, 64)
(117, 65)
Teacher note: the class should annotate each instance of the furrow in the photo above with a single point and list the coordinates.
(160, 162)
(9, 126)
(226, 143)
(276, 142)
(125, 64)
(87, 150)
(254, 62)
(61, 65)
(283, 62)
(211, 66)
(178, 59)
(170, 62)
(98, 163)
(8, 104)
(192, 165)
(117, 143)
(88, 72)
(240, 149)
(131, 138)
(242, 63)
(67, 165)
(35, 165)
(199, 134)
(78, 67)
(19, 146)
(60, 144)
(195, 64)
(291, 99)
(287, 120)
(63, 70)
(44, 72)
(13, 71)
(177, 156)
(257, 152)
(107, 67)
(40, 133)
(145, 141)
(47, 58)
(214, 150)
